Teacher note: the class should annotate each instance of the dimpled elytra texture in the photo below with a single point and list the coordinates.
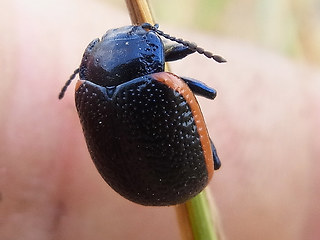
(143, 140)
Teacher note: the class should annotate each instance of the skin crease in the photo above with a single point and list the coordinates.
(265, 123)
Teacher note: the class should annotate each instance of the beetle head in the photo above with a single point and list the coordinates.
(121, 55)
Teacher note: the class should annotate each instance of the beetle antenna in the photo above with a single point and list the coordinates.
(190, 45)
(64, 89)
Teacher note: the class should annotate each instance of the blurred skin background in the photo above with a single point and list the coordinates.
(290, 27)
(265, 121)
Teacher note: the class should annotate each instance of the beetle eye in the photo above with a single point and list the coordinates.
(147, 26)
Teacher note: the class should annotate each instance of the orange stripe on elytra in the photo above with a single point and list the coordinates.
(181, 87)
(78, 84)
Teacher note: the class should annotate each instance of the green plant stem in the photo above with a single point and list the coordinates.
(200, 217)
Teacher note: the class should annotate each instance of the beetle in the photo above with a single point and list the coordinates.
(143, 126)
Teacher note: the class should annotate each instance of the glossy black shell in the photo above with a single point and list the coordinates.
(122, 55)
(140, 133)
(143, 141)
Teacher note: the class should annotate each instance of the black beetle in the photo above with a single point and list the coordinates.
(143, 127)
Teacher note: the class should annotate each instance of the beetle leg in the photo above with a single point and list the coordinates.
(216, 160)
(175, 51)
(199, 88)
